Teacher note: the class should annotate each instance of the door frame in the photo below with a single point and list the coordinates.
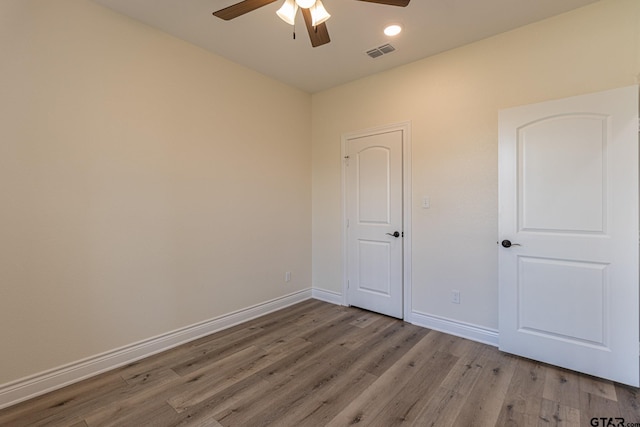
(405, 128)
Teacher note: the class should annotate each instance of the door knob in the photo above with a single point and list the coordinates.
(508, 244)
(394, 234)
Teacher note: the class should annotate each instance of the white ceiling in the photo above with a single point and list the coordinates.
(263, 42)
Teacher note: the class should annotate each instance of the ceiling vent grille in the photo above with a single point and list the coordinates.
(380, 50)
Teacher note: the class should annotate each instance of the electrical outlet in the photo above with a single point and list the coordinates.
(287, 276)
(455, 296)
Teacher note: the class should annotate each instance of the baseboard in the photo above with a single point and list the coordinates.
(326, 296)
(53, 379)
(454, 327)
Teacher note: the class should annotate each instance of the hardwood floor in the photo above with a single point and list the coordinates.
(316, 364)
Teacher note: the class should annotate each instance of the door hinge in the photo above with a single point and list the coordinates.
(346, 160)
(347, 223)
(347, 284)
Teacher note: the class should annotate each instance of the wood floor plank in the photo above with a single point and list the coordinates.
(562, 386)
(462, 348)
(187, 390)
(153, 375)
(283, 371)
(214, 352)
(131, 401)
(64, 405)
(485, 400)
(365, 320)
(214, 377)
(405, 407)
(284, 379)
(193, 349)
(306, 362)
(207, 421)
(323, 314)
(287, 344)
(315, 364)
(152, 413)
(332, 330)
(598, 387)
(353, 341)
(325, 403)
(226, 375)
(442, 409)
(523, 402)
(593, 406)
(628, 402)
(464, 374)
(557, 415)
(227, 341)
(310, 390)
(223, 402)
(365, 407)
(291, 313)
(406, 336)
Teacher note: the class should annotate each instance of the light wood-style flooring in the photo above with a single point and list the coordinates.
(317, 364)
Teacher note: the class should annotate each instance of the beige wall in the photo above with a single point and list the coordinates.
(452, 101)
(145, 184)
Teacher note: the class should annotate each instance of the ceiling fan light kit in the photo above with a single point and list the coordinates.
(288, 11)
(313, 12)
(305, 4)
(319, 14)
(289, 8)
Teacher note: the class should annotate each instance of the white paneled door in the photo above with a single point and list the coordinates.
(374, 222)
(568, 233)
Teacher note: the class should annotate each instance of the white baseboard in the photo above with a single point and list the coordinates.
(454, 327)
(53, 379)
(326, 296)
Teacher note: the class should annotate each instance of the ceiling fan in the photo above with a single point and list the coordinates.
(313, 12)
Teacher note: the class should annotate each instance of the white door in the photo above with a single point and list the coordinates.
(374, 222)
(568, 192)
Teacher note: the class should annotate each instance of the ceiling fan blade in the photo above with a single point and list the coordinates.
(241, 8)
(318, 34)
(401, 3)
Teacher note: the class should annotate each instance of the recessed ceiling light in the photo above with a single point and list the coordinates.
(393, 30)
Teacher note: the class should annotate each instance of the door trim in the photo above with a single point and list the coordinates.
(405, 128)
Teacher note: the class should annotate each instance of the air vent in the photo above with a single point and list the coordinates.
(380, 50)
